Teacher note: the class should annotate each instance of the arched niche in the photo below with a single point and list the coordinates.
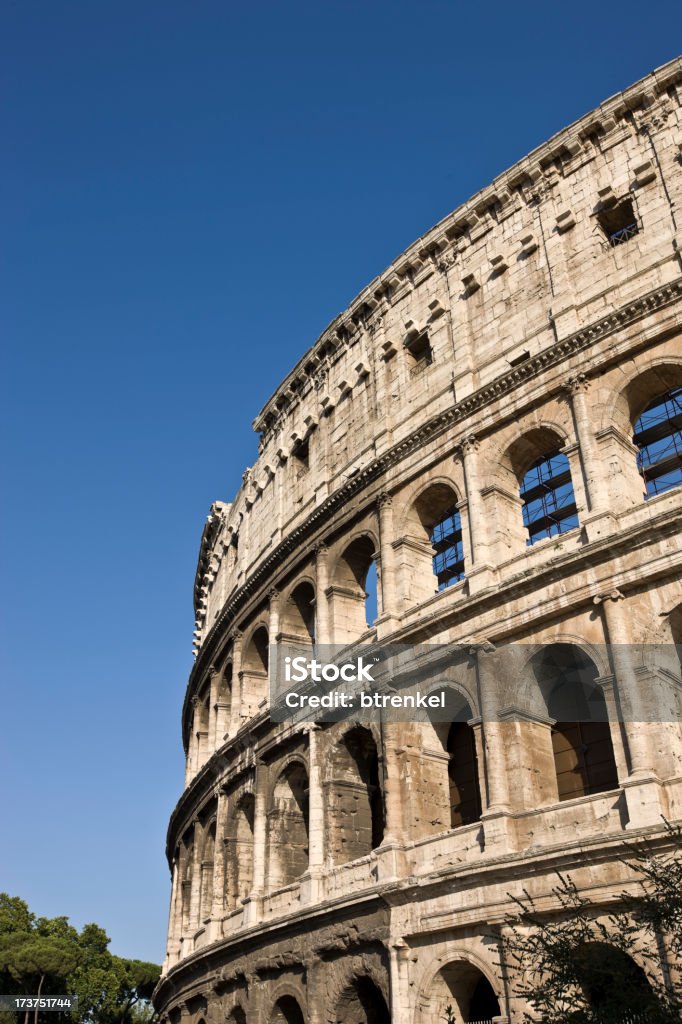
(355, 801)
(430, 550)
(362, 1002)
(288, 826)
(239, 861)
(349, 611)
(580, 734)
(286, 1011)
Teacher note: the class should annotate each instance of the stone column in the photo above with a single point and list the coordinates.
(479, 573)
(315, 989)
(399, 980)
(315, 803)
(195, 897)
(389, 595)
(218, 908)
(254, 908)
(498, 828)
(312, 879)
(322, 636)
(174, 919)
(641, 787)
(235, 705)
(593, 471)
(213, 709)
(273, 615)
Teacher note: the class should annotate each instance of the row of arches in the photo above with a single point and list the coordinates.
(435, 550)
(462, 992)
(573, 738)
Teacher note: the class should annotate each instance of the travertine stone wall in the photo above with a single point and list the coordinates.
(317, 872)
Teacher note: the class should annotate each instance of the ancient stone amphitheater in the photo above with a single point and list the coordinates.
(490, 435)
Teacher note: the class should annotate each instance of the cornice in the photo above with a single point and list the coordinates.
(461, 411)
(530, 178)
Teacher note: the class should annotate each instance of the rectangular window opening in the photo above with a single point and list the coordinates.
(619, 222)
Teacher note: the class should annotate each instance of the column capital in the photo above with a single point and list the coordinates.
(213, 670)
(612, 595)
(579, 382)
(384, 500)
(466, 446)
(236, 635)
(273, 594)
(320, 548)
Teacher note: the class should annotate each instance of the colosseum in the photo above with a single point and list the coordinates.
(483, 450)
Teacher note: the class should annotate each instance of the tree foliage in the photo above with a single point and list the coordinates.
(48, 956)
(576, 968)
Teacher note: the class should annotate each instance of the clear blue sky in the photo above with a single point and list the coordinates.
(192, 191)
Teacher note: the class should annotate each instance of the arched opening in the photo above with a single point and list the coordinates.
(465, 797)
(287, 1011)
(466, 990)
(581, 737)
(254, 674)
(362, 1002)
(207, 862)
(615, 987)
(223, 703)
(353, 605)
(356, 804)
(186, 870)
(240, 878)
(549, 506)
(237, 1016)
(458, 741)
(202, 714)
(431, 549)
(298, 615)
(658, 436)
(288, 827)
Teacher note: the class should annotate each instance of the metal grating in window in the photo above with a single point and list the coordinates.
(548, 500)
(446, 540)
(623, 234)
(658, 435)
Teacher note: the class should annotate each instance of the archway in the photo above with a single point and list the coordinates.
(466, 990)
(615, 987)
(352, 604)
(356, 812)
(287, 1011)
(581, 736)
(362, 1002)
(288, 827)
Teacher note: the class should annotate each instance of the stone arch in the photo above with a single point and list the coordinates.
(254, 669)
(430, 550)
(361, 1002)
(350, 600)
(510, 475)
(613, 981)
(355, 800)
(202, 719)
(459, 743)
(223, 705)
(623, 405)
(580, 733)
(239, 861)
(286, 1010)
(186, 868)
(462, 980)
(288, 818)
(297, 621)
(207, 871)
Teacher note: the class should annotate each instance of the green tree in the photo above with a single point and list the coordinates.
(576, 969)
(48, 956)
